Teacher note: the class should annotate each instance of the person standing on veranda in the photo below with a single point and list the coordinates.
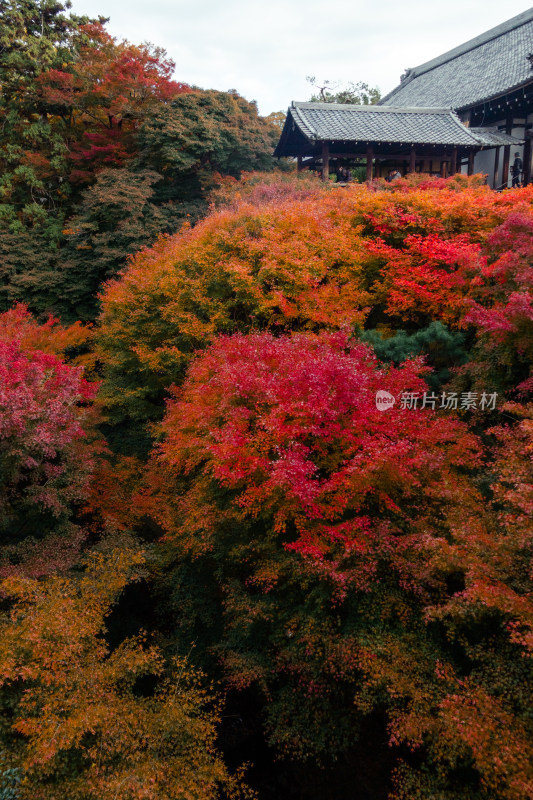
(516, 171)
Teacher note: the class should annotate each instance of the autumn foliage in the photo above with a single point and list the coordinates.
(263, 564)
(290, 427)
(38, 423)
(312, 505)
(87, 732)
(79, 108)
(107, 91)
(310, 258)
(47, 454)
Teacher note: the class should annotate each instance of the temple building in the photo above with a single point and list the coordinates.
(468, 110)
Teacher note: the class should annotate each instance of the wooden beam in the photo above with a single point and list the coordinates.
(300, 159)
(362, 156)
(377, 153)
(444, 169)
(471, 156)
(384, 156)
(325, 161)
(344, 156)
(369, 157)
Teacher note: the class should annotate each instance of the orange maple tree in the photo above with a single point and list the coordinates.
(79, 724)
(299, 256)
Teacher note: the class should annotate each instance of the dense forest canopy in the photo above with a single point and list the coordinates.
(90, 124)
(227, 571)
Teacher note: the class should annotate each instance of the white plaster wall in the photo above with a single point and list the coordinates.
(484, 160)
(484, 163)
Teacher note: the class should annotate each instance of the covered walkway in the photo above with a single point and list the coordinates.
(433, 140)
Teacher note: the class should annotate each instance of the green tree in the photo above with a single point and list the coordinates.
(277, 118)
(28, 267)
(443, 348)
(71, 101)
(359, 93)
(83, 109)
(203, 133)
(36, 36)
(116, 217)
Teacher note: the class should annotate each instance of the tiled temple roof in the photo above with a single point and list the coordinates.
(315, 122)
(483, 68)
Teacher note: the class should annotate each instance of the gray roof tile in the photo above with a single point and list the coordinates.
(483, 68)
(351, 123)
(494, 138)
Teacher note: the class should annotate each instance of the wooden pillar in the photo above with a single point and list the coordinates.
(412, 160)
(505, 167)
(526, 160)
(369, 157)
(471, 155)
(507, 153)
(300, 163)
(444, 168)
(495, 182)
(325, 161)
(453, 166)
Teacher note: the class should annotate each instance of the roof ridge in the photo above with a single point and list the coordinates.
(472, 44)
(355, 107)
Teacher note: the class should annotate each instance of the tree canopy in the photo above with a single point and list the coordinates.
(356, 93)
(83, 112)
(265, 472)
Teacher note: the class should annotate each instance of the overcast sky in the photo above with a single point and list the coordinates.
(265, 50)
